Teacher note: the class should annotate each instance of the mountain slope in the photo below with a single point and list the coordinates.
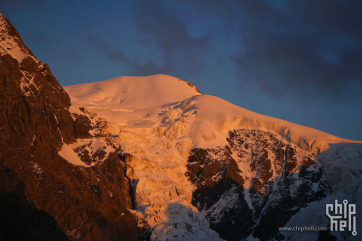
(127, 100)
(134, 93)
(248, 174)
(42, 196)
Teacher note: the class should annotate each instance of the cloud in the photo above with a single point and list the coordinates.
(159, 28)
(134, 66)
(285, 48)
(116, 54)
(108, 50)
(295, 48)
(301, 49)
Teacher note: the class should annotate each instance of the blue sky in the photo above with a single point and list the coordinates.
(300, 61)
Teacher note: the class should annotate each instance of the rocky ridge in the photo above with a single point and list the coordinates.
(255, 184)
(41, 193)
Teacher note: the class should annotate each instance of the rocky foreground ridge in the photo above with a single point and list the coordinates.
(42, 196)
(151, 158)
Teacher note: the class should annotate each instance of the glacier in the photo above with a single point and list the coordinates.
(155, 122)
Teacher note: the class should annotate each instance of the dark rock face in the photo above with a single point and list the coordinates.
(191, 85)
(255, 184)
(65, 201)
(21, 221)
(220, 192)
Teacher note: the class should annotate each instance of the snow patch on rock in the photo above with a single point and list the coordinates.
(10, 43)
(68, 154)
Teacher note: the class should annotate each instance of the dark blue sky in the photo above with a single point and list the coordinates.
(299, 61)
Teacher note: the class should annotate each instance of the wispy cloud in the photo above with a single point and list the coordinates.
(304, 48)
(297, 48)
(108, 50)
(157, 27)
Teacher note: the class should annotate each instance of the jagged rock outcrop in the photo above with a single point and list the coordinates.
(42, 195)
(255, 184)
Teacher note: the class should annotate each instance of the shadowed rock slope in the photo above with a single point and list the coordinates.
(42, 196)
(255, 184)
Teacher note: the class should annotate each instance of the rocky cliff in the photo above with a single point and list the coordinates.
(255, 184)
(42, 196)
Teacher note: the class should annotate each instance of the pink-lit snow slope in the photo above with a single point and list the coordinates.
(12, 43)
(133, 93)
(161, 101)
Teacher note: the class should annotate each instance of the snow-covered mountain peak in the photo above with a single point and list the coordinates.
(161, 101)
(158, 121)
(134, 93)
(11, 43)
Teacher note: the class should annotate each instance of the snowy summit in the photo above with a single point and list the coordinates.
(162, 123)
